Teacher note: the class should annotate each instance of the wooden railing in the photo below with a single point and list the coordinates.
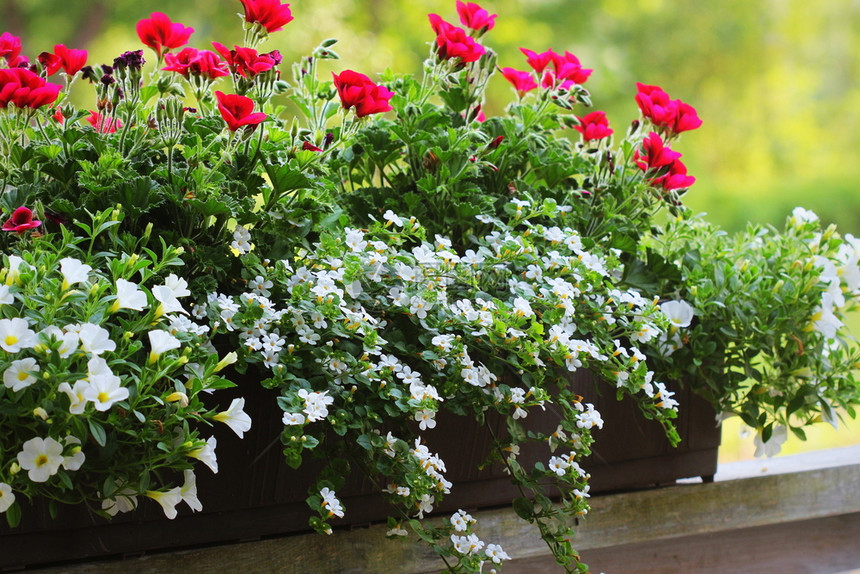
(791, 515)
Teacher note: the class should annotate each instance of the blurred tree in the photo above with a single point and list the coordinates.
(776, 81)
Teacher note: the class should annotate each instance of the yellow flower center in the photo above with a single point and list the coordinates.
(41, 460)
(103, 397)
(22, 376)
(11, 340)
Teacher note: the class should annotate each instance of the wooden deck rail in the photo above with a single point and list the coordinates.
(792, 515)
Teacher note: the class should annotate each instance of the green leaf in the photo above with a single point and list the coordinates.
(13, 515)
(524, 508)
(97, 431)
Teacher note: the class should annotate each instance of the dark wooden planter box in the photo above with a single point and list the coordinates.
(255, 494)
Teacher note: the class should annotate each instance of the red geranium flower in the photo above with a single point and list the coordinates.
(246, 61)
(522, 81)
(10, 48)
(453, 42)
(359, 91)
(21, 221)
(238, 111)
(73, 60)
(594, 126)
(25, 89)
(566, 68)
(676, 178)
(270, 14)
(103, 124)
(160, 34)
(51, 62)
(194, 62)
(474, 17)
(664, 112)
(654, 155)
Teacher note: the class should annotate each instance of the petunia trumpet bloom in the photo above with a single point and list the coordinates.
(237, 111)
(21, 221)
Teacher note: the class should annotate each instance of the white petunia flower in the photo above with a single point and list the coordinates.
(68, 340)
(188, 491)
(95, 339)
(105, 388)
(773, 445)
(161, 342)
(77, 400)
(235, 417)
(391, 218)
(15, 334)
(679, 313)
(123, 500)
(41, 458)
(128, 296)
(167, 499)
(73, 271)
(19, 374)
(7, 497)
(74, 461)
(6, 298)
(206, 454)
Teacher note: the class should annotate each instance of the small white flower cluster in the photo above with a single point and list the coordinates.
(469, 546)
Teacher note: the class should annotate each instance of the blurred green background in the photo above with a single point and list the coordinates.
(776, 82)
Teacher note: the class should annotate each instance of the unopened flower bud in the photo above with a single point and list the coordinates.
(41, 413)
(181, 398)
(228, 359)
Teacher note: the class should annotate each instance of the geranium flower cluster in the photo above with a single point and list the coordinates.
(75, 332)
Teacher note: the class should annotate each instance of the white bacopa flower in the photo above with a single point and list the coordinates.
(461, 520)
(95, 339)
(7, 497)
(128, 296)
(206, 454)
(241, 240)
(74, 461)
(73, 271)
(679, 313)
(425, 419)
(291, 419)
(41, 458)
(316, 404)
(161, 342)
(495, 553)
(15, 334)
(418, 307)
(188, 491)
(391, 218)
(397, 531)
(235, 417)
(355, 239)
(77, 400)
(167, 499)
(522, 308)
(19, 374)
(466, 545)
(589, 418)
(331, 503)
(261, 286)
